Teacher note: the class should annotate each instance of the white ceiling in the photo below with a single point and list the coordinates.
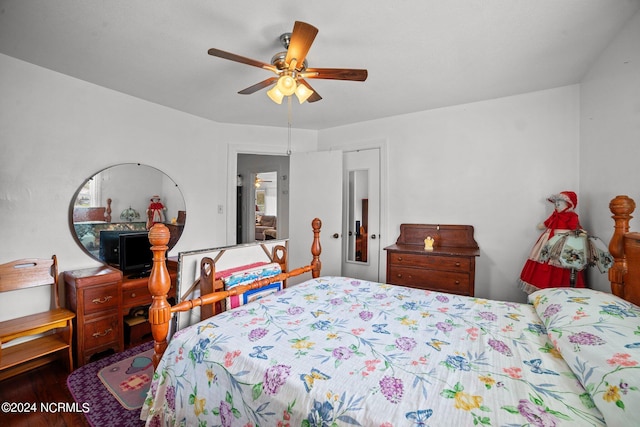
(420, 54)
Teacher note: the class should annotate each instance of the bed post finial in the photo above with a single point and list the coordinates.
(159, 285)
(622, 207)
(316, 249)
(107, 215)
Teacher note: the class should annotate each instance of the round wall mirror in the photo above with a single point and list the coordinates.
(125, 200)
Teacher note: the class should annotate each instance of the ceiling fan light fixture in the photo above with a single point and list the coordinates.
(286, 85)
(290, 67)
(275, 95)
(303, 93)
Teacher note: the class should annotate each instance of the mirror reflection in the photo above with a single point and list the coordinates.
(125, 199)
(357, 214)
(266, 201)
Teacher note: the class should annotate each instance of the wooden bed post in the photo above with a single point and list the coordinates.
(316, 249)
(159, 285)
(622, 207)
(107, 214)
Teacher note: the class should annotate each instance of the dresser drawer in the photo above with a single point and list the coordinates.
(100, 298)
(452, 263)
(435, 280)
(101, 331)
(136, 296)
(140, 295)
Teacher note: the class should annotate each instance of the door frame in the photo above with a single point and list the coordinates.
(232, 171)
(385, 238)
(382, 144)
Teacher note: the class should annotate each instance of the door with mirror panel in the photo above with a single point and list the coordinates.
(361, 214)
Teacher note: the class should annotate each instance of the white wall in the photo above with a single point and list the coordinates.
(488, 164)
(610, 134)
(57, 131)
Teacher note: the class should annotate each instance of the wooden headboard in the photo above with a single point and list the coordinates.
(102, 213)
(624, 246)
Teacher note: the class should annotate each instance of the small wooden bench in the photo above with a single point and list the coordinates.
(54, 328)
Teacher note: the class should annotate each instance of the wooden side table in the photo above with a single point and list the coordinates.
(94, 294)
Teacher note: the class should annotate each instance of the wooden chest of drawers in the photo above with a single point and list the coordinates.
(94, 294)
(101, 298)
(448, 267)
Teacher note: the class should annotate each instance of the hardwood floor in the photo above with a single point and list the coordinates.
(45, 390)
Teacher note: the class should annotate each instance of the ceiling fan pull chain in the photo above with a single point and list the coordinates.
(289, 126)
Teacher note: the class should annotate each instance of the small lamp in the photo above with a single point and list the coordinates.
(129, 214)
(575, 250)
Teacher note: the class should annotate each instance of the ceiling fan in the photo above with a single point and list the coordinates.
(291, 67)
(258, 182)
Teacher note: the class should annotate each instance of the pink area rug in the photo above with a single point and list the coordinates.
(128, 380)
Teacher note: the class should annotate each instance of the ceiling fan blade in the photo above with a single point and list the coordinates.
(314, 96)
(301, 39)
(256, 87)
(241, 59)
(335, 74)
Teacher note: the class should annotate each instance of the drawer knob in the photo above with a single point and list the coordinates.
(457, 282)
(102, 334)
(101, 300)
(457, 264)
(399, 258)
(399, 275)
(133, 294)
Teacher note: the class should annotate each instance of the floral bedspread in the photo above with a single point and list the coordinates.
(598, 334)
(336, 351)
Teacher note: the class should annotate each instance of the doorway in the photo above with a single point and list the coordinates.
(266, 205)
(262, 195)
(303, 204)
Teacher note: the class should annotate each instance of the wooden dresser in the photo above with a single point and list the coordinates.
(94, 294)
(632, 277)
(102, 298)
(448, 267)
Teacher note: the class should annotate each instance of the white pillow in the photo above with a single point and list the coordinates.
(598, 335)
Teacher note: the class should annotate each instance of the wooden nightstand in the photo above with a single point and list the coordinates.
(94, 294)
(449, 267)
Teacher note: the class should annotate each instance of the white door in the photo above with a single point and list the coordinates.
(315, 191)
(361, 214)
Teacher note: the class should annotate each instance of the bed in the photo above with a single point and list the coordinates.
(347, 352)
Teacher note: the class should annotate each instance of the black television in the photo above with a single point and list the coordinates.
(136, 257)
(110, 246)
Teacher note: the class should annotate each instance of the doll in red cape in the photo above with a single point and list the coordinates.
(538, 274)
(155, 212)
